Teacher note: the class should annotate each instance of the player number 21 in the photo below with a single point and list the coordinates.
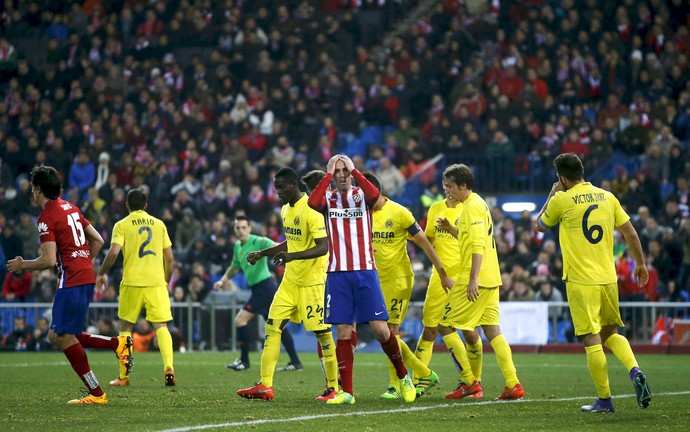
(77, 228)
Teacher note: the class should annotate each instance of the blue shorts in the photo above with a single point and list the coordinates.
(261, 298)
(69, 309)
(354, 297)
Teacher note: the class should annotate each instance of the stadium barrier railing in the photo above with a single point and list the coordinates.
(210, 325)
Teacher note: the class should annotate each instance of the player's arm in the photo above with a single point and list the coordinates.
(229, 274)
(110, 257)
(635, 247)
(419, 238)
(46, 259)
(317, 197)
(319, 249)
(95, 241)
(169, 260)
(254, 257)
(372, 195)
(542, 226)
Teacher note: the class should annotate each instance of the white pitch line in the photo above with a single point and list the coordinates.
(390, 411)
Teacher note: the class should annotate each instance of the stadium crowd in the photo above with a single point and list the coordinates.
(200, 102)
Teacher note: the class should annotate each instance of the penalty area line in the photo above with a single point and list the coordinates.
(389, 411)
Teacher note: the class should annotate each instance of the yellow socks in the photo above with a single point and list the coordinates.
(330, 362)
(269, 358)
(596, 362)
(504, 356)
(424, 350)
(459, 356)
(621, 349)
(165, 345)
(474, 355)
(411, 361)
(122, 369)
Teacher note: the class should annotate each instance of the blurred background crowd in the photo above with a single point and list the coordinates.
(200, 101)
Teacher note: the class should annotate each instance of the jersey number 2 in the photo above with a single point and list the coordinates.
(77, 228)
(593, 233)
(142, 249)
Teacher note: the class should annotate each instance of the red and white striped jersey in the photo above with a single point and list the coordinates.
(348, 222)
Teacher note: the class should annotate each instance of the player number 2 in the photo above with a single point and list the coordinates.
(593, 233)
(77, 228)
(142, 249)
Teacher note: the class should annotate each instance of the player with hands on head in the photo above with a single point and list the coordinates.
(353, 291)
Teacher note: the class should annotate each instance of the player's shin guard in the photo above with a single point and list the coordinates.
(330, 361)
(504, 356)
(345, 358)
(596, 362)
(269, 358)
(474, 355)
(80, 363)
(165, 345)
(457, 352)
(419, 369)
(621, 349)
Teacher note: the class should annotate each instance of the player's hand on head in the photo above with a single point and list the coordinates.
(348, 162)
(330, 167)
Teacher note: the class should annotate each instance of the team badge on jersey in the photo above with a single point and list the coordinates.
(356, 198)
(389, 224)
(296, 221)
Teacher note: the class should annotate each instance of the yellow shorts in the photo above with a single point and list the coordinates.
(434, 302)
(299, 304)
(155, 299)
(593, 306)
(397, 293)
(466, 315)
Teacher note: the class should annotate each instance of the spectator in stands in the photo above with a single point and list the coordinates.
(188, 230)
(39, 341)
(547, 293)
(11, 243)
(17, 286)
(522, 291)
(27, 233)
(19, 338)
(390, 176)
(82, 173)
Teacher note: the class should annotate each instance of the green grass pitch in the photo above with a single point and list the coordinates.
(35, 388)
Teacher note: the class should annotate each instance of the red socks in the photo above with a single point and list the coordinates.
(343, 351)
(80, 363)
(97, 341)
(392, 350)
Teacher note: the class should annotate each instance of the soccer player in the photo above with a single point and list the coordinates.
(442, 234)
(263, 289)
(353, 291)
(392, 225)
(587, 216)
(147, 266)
(300, 294)
(473, 301)
(69, 241)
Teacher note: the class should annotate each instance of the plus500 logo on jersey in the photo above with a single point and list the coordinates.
(346, 213)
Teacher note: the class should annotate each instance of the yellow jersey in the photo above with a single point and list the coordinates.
(302, 226)
(587, 216)
(445, 244)
(476, 236)
(391, 225)
(143, 239)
